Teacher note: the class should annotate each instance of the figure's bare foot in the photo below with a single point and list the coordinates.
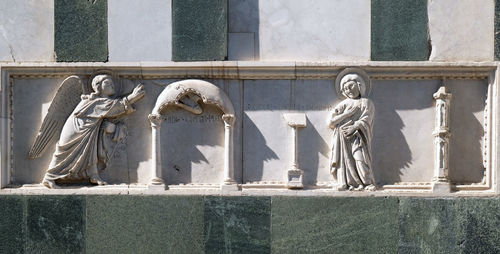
(371, 187)
(360, 187)
(51, 184)
(97, 180)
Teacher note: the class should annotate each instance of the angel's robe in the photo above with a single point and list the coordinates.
(351, 155)
(81, 141)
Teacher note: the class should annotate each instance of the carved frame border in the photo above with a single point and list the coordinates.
(270, 70)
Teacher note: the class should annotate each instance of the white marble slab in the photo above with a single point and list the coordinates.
(27, 30)
(314, 30)
(461, 30)
(139, 30)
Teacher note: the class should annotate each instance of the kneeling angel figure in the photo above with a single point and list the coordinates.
(87, 126)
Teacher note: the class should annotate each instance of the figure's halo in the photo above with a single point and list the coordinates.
(116, 81)
(357, 71)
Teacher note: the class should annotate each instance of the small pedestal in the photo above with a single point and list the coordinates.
(294, 180)
(227, 187)
(441, 187)
(295, 174)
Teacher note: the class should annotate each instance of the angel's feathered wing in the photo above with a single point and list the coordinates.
(66, 99)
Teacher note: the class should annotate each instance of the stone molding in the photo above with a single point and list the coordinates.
(263, 70)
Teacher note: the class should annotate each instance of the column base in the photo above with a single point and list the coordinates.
(229, 186)
(294, 179)
(157, 184)
(441, 187)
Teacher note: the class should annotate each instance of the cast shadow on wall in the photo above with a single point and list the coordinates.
(261, 151)
(391, 152)
(309, 158)
(193, 146)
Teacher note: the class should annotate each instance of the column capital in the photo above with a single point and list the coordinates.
(228, 119)
(155, 120)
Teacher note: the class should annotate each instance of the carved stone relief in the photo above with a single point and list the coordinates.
(441, 181)
(352, 125)
(187, 94)
(263, 139)
(88, 128)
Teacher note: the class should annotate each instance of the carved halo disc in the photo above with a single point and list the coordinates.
(357, 71)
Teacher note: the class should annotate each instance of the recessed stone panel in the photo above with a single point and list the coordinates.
(399, 30)
(81, 31)
(12, 224)
(199, 30)
(55, 224)
(144, 224)
(240, 224)
(337, 225)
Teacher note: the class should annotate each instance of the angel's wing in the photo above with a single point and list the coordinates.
(66, 99)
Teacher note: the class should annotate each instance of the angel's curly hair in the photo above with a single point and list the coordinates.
(97, 81)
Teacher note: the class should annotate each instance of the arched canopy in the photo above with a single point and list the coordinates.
(209, 94)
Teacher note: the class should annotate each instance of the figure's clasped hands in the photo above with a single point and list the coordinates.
(348, 130)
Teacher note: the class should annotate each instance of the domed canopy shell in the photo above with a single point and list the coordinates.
(209, 94)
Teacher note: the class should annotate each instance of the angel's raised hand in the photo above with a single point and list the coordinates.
(137, 94)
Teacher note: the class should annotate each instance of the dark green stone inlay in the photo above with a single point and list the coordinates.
(144, 224)
(237, 224)
(55, 224)
(399, 30)
(497, 30)
(334, 225)
(199, 30)
(479, 222)
(428, 225)
(12, 224)
(81, 30)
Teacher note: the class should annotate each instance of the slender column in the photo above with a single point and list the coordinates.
(156, 178)
(295, 163)
(441, 181)
(294, 173)
(228, 149)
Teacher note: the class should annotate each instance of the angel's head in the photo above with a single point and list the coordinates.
(103, 85)
(352, 86)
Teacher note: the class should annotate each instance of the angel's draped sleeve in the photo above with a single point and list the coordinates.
(105, 108)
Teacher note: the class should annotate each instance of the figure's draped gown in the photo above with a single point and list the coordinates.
(351, 156)
(78, 147)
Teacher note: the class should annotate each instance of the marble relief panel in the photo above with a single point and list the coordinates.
(193, 145)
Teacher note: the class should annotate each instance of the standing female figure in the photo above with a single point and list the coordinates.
(352, 123)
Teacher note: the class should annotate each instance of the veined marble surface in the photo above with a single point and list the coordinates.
(27, 30)
(314, 30)
(139, 30)
(461, 30)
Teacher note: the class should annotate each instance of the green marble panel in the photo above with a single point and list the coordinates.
(479, 223)
(55, 224)
(399, 30)
(237, 224)
(12, 224)
(334, 225)
(144, 224)
(199, 30)
(81, 30)
(428, 225)
(497, 30)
